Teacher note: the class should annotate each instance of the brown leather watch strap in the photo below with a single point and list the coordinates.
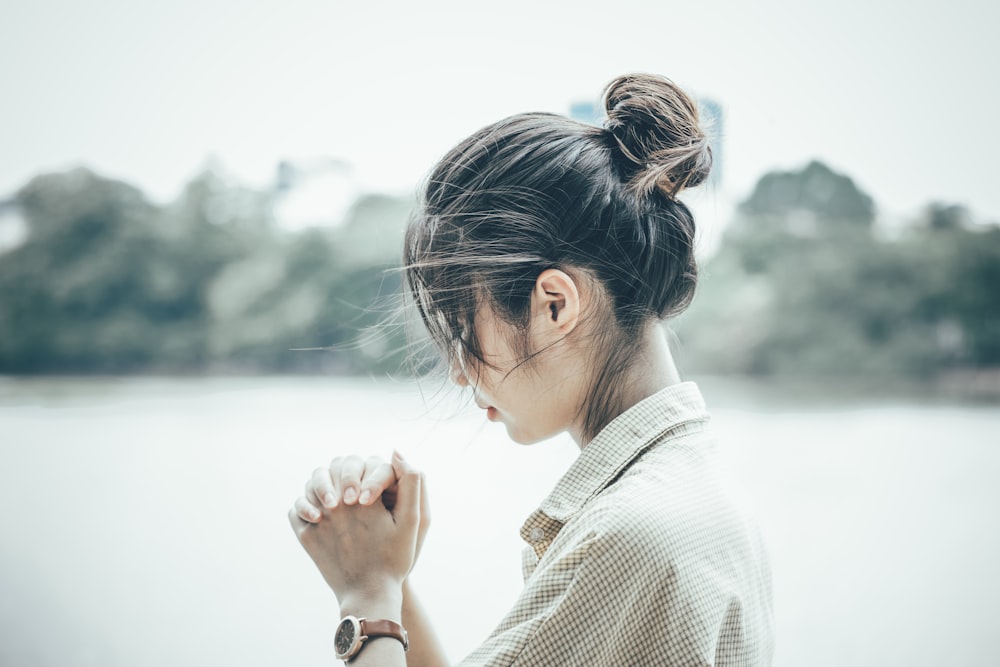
(384, 628)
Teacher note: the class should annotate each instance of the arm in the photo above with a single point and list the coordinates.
(425, 648)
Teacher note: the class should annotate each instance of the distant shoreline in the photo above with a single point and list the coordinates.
(957, 387)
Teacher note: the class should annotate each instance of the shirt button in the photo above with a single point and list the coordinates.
(536, 534)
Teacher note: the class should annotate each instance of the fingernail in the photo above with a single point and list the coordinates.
(350, 495)
(329, 499)
(313, 514)
(366, 496)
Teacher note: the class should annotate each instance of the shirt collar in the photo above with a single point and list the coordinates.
(610, 452)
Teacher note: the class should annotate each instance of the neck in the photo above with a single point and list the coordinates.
(652, 369)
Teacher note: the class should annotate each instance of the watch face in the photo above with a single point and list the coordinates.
(344, 639)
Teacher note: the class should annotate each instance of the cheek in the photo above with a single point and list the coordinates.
(532, 418)
(459, 376)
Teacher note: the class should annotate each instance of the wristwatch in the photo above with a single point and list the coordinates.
(353, 632)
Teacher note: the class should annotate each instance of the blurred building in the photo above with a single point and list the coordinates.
(713, 122)
(587, 112)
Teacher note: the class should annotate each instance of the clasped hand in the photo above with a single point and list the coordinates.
(362, 522)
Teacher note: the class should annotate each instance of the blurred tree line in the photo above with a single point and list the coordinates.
(804, 283)
(107, 282)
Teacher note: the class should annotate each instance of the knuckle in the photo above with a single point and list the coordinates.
(302, 504)
(323, 483)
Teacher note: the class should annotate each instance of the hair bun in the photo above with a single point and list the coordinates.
(656, 127)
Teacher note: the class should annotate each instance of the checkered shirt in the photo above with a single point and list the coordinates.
(639, 556)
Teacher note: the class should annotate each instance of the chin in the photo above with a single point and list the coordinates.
(522, 438)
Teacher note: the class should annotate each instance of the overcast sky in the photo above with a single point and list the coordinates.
(902, 96)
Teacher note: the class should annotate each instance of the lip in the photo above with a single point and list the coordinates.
(491, 412)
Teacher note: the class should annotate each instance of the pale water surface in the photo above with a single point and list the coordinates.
(142, 522)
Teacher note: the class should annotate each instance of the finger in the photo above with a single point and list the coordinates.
(334, 472)
(403, 467)
(399, 468)
(297, 524)
(378, 476)
(306, 510)
(407, 510)
(351, 469)
(425, 505)
(319, 489)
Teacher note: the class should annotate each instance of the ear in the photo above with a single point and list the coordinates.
(555, 303)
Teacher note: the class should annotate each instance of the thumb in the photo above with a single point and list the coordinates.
(407, 509)
(401, 466)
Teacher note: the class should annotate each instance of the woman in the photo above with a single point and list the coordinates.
(545, 255)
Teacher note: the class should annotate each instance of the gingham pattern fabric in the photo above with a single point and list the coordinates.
(639, 557)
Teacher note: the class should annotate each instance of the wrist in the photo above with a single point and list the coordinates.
(385, 602)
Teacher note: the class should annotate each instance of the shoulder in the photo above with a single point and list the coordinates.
(670, 508)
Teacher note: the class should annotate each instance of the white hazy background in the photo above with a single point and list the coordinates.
(902, 96)
(143, 521)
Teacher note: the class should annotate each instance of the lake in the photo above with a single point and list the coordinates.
(143, 521)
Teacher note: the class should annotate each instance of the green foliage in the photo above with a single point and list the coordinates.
(832, 298)
(815, 192)
(107, 282)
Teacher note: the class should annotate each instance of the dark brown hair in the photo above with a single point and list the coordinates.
(538, 191)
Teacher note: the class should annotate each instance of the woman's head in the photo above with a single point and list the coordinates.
(539, 195)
